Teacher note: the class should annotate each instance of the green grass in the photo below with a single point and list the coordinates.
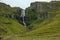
(10, 27)
(48, 28)
(32, 38)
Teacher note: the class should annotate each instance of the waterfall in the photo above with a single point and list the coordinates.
(23, 15)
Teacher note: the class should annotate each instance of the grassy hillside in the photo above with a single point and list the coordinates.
(51, 29)
(10, 26)
(48, 27)
(47, 30)
(7, 9)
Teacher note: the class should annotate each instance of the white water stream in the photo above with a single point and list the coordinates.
(23, 15)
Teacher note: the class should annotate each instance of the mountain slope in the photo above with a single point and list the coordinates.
(46, 28)
(9, 25)
(44, 21)
(7, 9)
(49, 25)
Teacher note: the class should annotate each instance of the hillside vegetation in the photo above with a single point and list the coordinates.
(42, 18)
(47, 19)
(6, 9)
(10, 26)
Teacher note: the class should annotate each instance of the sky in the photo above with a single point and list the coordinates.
(20, 3)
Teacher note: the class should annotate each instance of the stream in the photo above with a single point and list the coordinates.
(23, 15)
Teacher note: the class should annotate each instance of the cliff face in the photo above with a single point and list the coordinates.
(41, 10)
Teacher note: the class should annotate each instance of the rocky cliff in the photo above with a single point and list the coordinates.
(41, 11)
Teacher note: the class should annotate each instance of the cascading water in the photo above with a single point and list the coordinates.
(23, 15)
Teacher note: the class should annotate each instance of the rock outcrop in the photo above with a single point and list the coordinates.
(41, 10)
